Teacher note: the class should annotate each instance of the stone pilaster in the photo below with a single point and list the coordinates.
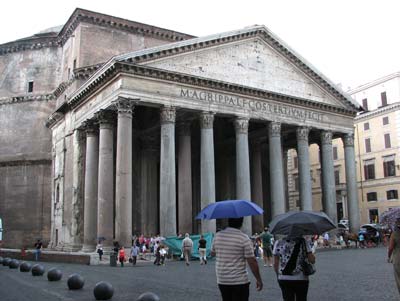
(304, 168)
(243, 186)
(123, 185)
(91, 190)
(185, 216)
(276, 169)
(351, 183)
(328, 176)
(167, 173)
(105, 209)
(207, 167)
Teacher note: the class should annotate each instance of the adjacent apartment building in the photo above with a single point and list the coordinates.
(377, 137)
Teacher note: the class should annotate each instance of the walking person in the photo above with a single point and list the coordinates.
(203, 250)
(394, 252)
(38, 249)
(266, 246)
(134, 253)
(187, 246)
(121, 256)
(99, 250)
(233, 249)
(289, 253)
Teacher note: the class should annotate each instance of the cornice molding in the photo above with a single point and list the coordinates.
(86, 16)
(151, 72)
(26, 98)
(377, 112)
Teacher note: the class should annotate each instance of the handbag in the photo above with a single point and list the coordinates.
(130, 259)
(307, 267)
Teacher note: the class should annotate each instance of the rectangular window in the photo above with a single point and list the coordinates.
(389, 169)
(365, 104)
(383, 99)
(295, 162)
(74, 64)
(369, 170)
(366, 126)
(387, 141)
(367, 145)
(374, 216)
(335, 153)
(337, 177)
(372, 196)
(385, 120)
(296, 183)
(392, 195)
(30, 87)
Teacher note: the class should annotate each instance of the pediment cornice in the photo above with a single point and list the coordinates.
(262, 32)
(144, 71)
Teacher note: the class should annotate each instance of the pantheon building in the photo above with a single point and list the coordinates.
(111, 128)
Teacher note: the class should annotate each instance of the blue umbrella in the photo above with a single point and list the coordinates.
(229, 209)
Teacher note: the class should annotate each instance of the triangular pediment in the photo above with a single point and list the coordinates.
(251, 63)
(253, 57)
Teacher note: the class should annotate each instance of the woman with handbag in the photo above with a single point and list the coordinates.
(292, 258)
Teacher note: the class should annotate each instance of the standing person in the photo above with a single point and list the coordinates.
(99, 250)
(266, 245)
(394, 252)
(121, 256)
(288, 255)
(134, 253)
(203, 250)
(233, 249)
(163, 253)
(38, 249)
(187, 246)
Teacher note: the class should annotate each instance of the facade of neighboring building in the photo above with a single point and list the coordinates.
(377, 146)
(114, 128)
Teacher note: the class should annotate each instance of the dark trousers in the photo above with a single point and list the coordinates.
(239, 292)
(294, 289)
(134, 260)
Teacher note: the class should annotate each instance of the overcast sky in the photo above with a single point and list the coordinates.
(352, 42)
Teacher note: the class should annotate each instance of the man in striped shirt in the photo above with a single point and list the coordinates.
(233, 249)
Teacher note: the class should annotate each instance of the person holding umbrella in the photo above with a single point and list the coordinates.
(292, 254)
(233, 248)
(394, 252)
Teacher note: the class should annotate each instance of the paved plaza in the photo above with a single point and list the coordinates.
(354, 274)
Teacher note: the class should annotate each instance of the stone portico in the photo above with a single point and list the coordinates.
(170, 129)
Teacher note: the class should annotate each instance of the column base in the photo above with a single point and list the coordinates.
(88, 248)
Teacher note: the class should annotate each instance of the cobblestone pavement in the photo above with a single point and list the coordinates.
(354, 274)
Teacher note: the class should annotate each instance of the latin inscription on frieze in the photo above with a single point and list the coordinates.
(251, 104)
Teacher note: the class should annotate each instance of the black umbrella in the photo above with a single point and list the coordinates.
(297, 223)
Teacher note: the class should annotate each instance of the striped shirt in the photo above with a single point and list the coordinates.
(232, 247)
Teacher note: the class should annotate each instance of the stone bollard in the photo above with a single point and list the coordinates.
(54, 274)
(148, 296)
(6, 261)
(103, 291)
(14, 264)
(75, 282)
(37, 270)
(25, 267)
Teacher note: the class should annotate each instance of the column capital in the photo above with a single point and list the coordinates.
(168, 114)
(206, 120)
(241, 125)
(274, 129)
(105, 117)
(326, 137)
(348, 139)
(302, 133)
(90, 127)
(124, 105)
